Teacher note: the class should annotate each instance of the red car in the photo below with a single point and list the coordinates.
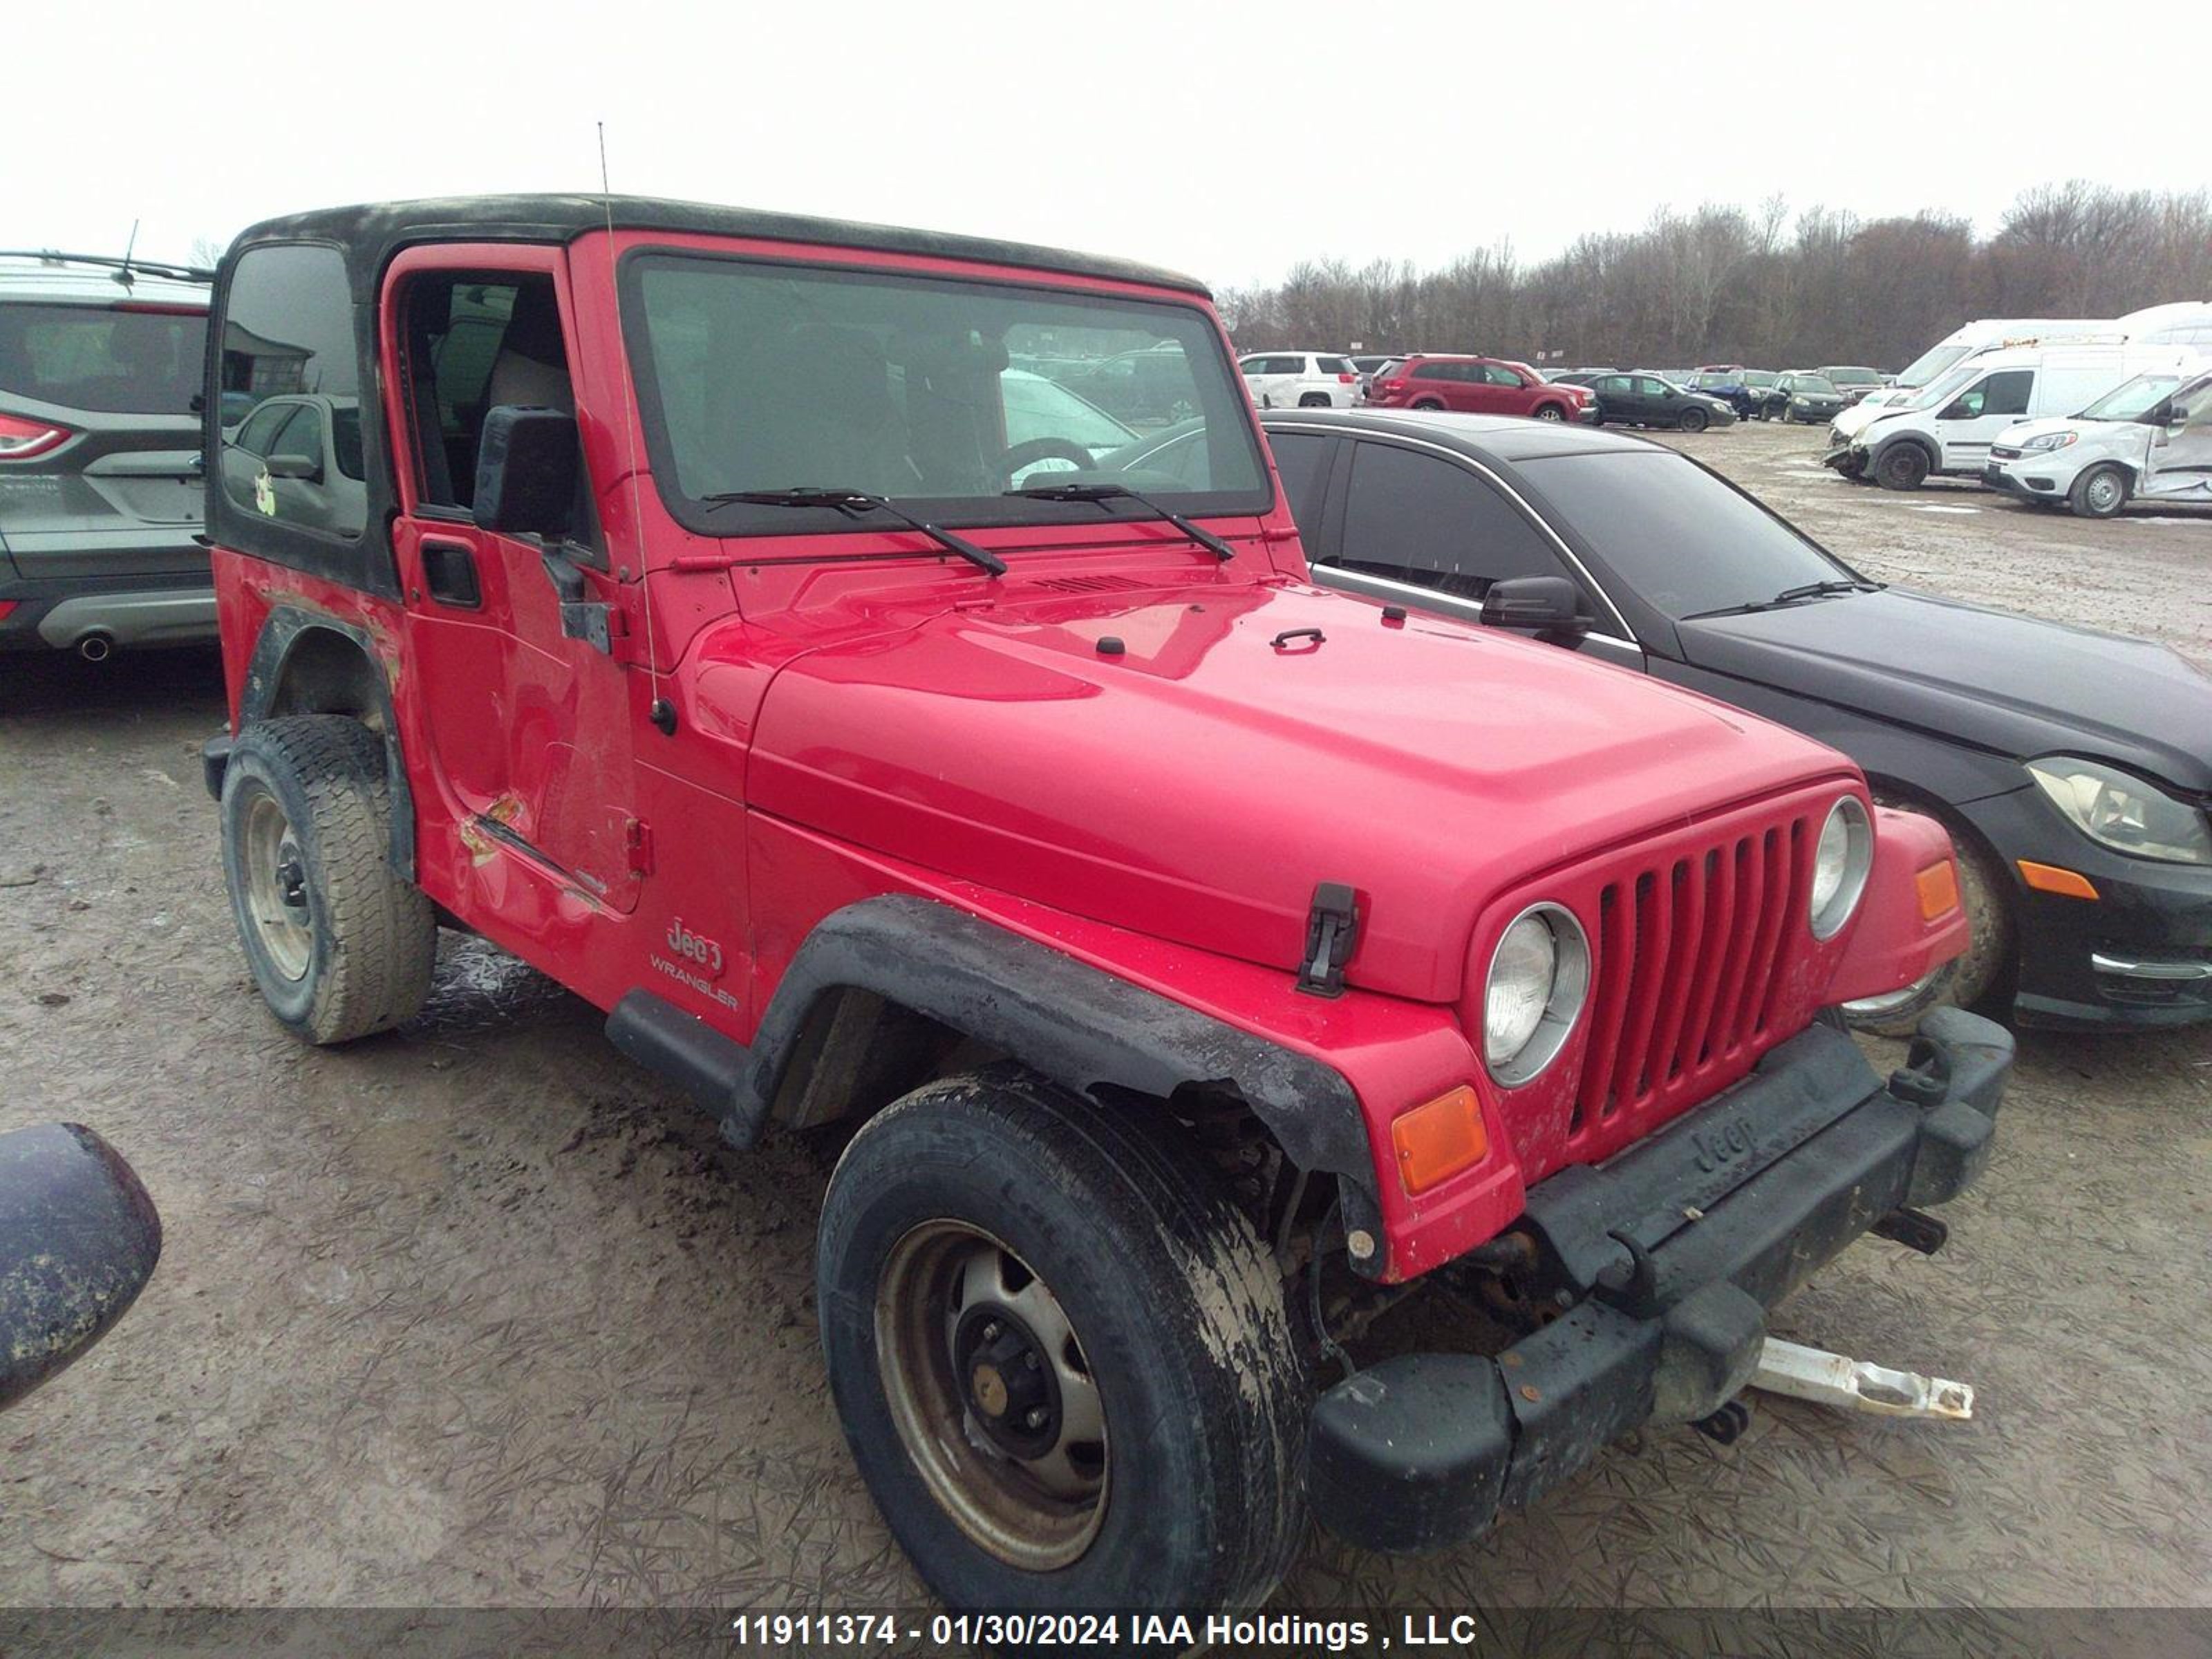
(1481, 385)
(1179, 943)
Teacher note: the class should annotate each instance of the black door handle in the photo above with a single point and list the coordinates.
(449, 573)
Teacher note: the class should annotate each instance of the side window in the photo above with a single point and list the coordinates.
(1302, 458)
(287, 330)
(1968, 406)
(2194, 405)
(1421, 519)
(1332, 365)
(301, 436)
(2006, 393)
(1252, 366)
(1615, 384)
(473, 343)
(1431, 371)
(1649, 387)
(261, 428)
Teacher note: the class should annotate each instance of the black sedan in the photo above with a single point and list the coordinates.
(2070, 766)
(1643, 398)
(1813, 399)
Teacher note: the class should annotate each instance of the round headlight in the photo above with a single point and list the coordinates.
(1840, 862)
(1539, 980)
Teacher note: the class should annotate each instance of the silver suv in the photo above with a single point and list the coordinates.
(102, 363)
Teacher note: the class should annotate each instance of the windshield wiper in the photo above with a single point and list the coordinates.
(852, 503)
(1791, 595)
(1103, 493)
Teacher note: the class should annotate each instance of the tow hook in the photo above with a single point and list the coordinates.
(1834, 1379)
(1924, 1079)
(1915, 1229)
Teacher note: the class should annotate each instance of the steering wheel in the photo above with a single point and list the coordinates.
(1044, 449)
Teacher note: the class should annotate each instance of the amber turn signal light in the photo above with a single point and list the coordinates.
(1939, 889)
(2050, 878)
(1437, 1141)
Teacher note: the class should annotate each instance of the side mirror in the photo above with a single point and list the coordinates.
(1539, 604)
(303, 468)
(78, 1240)
(527, 466)
(1962, 409)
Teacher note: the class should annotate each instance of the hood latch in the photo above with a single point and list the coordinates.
(1332, 929)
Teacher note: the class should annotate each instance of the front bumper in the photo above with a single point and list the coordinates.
(2021, 487)
(1669, 1254)
(2138, 955)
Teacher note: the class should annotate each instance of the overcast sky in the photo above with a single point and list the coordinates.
(1227, 140)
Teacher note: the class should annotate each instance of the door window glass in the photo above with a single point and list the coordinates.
(475, 341)
(2006, 393)
(302, 436)
(1421, 519)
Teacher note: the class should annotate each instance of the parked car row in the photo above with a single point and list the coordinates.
(2082, 423)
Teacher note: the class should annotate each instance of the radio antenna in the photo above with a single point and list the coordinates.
(661, 713)
(124, 275)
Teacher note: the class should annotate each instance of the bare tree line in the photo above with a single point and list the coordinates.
(1729, 284)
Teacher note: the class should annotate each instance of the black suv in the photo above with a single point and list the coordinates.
(101, 362)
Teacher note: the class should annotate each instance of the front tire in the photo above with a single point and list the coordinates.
(339, 943)
(1902, 466)
(2100, 493)
(1550, 412)
(1060, 1353)
(1691, 420)
(1982, 980)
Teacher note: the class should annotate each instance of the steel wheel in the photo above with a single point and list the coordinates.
(988, 1384)
(276, 888)
(2101, 494)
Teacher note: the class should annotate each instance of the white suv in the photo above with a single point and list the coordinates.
(1300, 379)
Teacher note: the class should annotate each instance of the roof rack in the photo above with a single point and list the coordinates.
(125, 269)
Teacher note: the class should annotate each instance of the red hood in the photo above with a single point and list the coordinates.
(1197, 786)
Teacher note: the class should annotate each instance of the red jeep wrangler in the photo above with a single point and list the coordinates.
(731, 615)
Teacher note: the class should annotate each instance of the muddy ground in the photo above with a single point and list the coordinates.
(475, 1314)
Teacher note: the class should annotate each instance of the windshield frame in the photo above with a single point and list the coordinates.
(733, 520)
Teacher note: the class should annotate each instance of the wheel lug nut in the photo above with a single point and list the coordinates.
(1030, 1360)
(991, 1331)
(1035, 1418)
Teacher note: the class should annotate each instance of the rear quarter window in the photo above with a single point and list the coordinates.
(287, 329)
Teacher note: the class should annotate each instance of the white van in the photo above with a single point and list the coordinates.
(2148, 440)
(2185, 322)
(1948, 425)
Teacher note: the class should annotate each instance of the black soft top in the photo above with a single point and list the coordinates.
(372, 232)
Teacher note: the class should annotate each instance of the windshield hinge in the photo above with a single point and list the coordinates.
(1332, 929)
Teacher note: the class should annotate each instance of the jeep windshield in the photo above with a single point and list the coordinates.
(767, 378)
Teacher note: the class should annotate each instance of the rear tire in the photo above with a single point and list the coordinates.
(990, 1234)
(1427, 403)
(1314, 400)
(1692, 420)
(2100, 493)
(1902, 466)
(340, 944)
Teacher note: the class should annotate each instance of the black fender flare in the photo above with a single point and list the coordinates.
(1078, 1025)
(287, 629)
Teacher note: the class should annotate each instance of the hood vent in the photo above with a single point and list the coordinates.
(1092, 584)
